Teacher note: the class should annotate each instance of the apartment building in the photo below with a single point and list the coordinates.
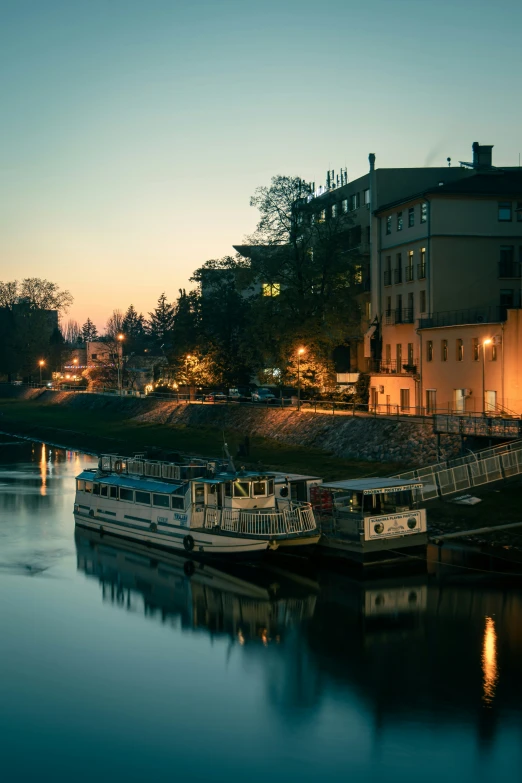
(449, 256)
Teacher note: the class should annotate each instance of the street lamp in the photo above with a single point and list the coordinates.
(120, 338)
(41, 364)
(484, 343)
(300, 352)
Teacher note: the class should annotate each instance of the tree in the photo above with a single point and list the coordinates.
(72, 332)
(89, 331)
(114, 324)
(44, 295)
(161, 322)
(133, 325)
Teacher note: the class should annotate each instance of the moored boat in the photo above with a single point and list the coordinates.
(205, 509)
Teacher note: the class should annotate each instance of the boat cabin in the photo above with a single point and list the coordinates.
(370, 508)
(294, 487)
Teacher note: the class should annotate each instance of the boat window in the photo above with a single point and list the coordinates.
(177, 502)
(228, 489)
(258, 489)
(284, 492)
(160, 500)
(104, 490)
(114, 492)
(270, 486)
(241, 489)
(88, 486)
(143, 498)
(126, 494)
(95, 489)
(199, 493)
(80, 485)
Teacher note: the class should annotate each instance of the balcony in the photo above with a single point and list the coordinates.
(480, 315)
(421, 271)
(400, 315)
(387, 277)
(389, 367)
(511, 269)
(408, 274)
(397, 275)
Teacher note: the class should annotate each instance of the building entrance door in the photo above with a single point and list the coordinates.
(460, 401)
(431, 401)
(490, 401)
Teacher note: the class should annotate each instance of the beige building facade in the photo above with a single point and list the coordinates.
(449, 260)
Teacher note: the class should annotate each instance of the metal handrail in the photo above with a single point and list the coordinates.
(298, 518)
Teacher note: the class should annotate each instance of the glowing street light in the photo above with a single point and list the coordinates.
(41, 364)
(120, 337)
(488, 341)
(300, 352)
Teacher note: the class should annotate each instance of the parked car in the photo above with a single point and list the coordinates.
(216, 397)
(262, 395)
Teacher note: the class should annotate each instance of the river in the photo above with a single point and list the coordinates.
(116, 665)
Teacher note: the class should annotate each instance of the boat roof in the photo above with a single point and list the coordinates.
(282, 477)
(374, 485)
(243, 475)
(146, 484)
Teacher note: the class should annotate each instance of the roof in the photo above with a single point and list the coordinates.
(495, 182)
(145, 484)
(373, 485)
(282, 477)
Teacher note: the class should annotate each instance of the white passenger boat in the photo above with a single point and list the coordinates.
(370, 519)
(199, 508)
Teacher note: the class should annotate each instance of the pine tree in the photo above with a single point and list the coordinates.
(161, 321)
(89, 331)
(133, 325)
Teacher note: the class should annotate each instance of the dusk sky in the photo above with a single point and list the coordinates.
(134, 132)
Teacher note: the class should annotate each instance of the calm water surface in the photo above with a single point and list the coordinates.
(116, 665)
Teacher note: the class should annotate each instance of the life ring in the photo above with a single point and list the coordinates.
(118, 466)
(189, 567)
(188, 543)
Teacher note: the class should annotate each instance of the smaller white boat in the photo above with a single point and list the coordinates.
(199, 508)
(370, 520)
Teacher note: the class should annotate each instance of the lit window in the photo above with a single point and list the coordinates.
(367, 196)
(424, 212)
(357, 275)
(388, 224)
(399, 221)
(334, 210)
(505, 211)
(344, 205)
(322, 215)
(411, 216)
(271, 289)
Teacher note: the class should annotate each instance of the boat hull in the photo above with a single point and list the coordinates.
(206, 545)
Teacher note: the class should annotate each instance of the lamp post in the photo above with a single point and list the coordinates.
(41, 364)
(300, 352)
(484, 343)
(120, 338)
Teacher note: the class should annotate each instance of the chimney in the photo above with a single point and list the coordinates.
(482, 155)
(371, 158)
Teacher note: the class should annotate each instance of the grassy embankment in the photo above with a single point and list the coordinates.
(112, 431)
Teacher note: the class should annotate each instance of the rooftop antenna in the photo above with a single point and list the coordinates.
(449, 161)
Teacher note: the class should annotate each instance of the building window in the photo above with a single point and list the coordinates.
(388, 305)
(431, 401)
(334, 210)
(322, 216)
(354, 202)
(409, 268)
(399, 221)
(505, 211)
(429, 350)
(94, 355)
(357, 274)
(444, 350)
(422, 301)
(475, 349)
(507, 298)
(344, 205)
(388, 224)
(424, 212)
(397, 277)
(398, 356)
(411, 307)
(271, 289)
(367, 235)
(410, 355)
(387, 353)
(507, 257)
(460, 350)
(421, 268)
(411, 216)
(367, 196)
(493, 353)
(519, 211)
(405, 400)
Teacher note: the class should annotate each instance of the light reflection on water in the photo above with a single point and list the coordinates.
(118, 663)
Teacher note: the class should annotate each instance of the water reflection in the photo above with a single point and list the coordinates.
(489, 661)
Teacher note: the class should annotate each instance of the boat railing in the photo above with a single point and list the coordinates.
(297, 518)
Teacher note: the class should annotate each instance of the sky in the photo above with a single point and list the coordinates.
(134, 132)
